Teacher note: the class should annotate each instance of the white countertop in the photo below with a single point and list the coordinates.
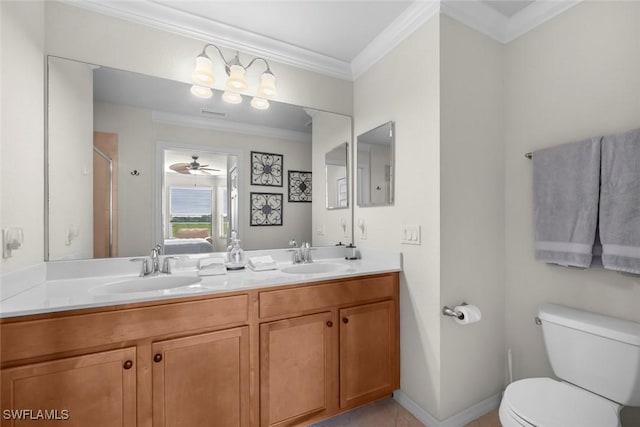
(79, 290)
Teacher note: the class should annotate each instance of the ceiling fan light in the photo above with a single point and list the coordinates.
(236, 81)
(232, 97)
(201, 91)
(259, 103)
(203, 71)
(267, 88)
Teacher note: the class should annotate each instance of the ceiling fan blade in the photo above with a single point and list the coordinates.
(180, 167)
(210, 169)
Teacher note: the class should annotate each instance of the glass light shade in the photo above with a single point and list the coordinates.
(236, 81)
(203, 72)
(201, 91)
(232, 97)
(267, 88)
(259, 103)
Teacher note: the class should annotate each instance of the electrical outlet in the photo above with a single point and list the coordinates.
(320, 230)
(410, 235)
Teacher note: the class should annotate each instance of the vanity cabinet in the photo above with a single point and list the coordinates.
(202, 380)
(334, 347)
(278, 356)
(295, 369)
(97, 390)
(369, 344)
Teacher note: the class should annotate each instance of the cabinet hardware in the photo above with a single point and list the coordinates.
(345, 320)
(329, 323)
(157, 358)
(127, 364)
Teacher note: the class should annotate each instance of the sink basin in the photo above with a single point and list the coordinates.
(315, 268)
(150, 284)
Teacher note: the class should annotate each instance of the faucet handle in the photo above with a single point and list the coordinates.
(166, 265)
(293, 243)
(144, 266)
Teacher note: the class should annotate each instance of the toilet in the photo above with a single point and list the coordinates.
(596, 358)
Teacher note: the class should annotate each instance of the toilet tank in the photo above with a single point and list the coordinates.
(598, 353)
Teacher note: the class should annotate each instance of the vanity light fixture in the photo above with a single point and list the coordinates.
(204, 79)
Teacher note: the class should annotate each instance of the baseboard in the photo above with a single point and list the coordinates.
(458, 420)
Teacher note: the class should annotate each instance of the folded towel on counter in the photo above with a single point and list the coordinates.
(211, 267)
(262, 263)
(566, 183)
(620, 202)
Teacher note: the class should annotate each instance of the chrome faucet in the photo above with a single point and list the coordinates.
(296, 259)
(154, 268)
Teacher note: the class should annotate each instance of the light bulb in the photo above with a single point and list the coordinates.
(232, 97)
(259, 103)
(267, 88)
(236, 81)
(203, 72)
(201, 91)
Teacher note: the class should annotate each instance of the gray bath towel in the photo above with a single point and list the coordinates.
(566, 182)
(620, 202)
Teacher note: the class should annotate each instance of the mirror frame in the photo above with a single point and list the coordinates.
(392, 149)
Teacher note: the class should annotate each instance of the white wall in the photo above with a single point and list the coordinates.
(412, 99)
(471, 214)
(574, 77)
(22, 127)
(137, 138)
(70, 140)
(328, 131)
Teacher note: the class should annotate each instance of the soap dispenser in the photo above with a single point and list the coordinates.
(235, 254)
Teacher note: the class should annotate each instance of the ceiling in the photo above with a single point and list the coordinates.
(339, 38)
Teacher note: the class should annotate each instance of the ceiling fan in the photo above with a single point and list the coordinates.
(187, 168)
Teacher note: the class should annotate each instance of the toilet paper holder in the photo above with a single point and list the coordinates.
(453, 313)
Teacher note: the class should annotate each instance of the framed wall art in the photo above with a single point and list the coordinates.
(266, 169)
(266, 209)
(299, 186)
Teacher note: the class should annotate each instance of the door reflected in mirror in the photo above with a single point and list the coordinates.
(336, 177)
(374, 169)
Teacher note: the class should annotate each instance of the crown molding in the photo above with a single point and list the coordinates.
(402, 27)
(534, 15)
(166, 18)
(472, 13)
(478, 16)
(229, 126)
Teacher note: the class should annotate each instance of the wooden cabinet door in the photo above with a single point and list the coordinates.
(296, 369)
(369, 353)
(97, 390)
(202, 380)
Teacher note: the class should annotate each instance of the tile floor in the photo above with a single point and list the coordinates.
(388, 413)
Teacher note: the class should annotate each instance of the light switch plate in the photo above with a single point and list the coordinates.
(362, 226)
(410, 235)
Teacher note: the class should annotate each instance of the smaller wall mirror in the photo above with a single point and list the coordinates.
(374, 171)
(336, 177)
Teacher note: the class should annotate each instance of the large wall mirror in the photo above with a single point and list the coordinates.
(134, 160)
(374, 170)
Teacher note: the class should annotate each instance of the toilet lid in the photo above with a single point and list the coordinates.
(544, 402)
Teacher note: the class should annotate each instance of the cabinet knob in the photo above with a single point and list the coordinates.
(329, 323)
(127, 364)
(157, 358)
(345, 320)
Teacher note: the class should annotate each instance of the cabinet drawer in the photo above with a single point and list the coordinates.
(48, 336)
(316, 297)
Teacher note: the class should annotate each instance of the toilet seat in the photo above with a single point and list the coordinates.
(543, 402)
